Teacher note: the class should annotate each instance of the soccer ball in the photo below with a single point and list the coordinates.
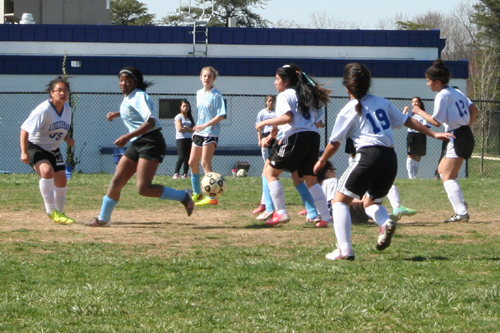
(213, 184)
(241, 173)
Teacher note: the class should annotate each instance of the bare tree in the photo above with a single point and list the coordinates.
(324, 21)
(286, 24)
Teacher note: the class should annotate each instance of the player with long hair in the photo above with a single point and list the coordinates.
(184, 124)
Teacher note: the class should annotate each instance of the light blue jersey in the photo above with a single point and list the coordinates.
(136, 109)
(210, 105)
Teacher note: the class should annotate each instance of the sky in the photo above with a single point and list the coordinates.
(366, 13)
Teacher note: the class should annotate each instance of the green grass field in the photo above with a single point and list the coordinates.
(156, 270)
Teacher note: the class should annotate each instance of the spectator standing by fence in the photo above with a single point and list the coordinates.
(184, 124)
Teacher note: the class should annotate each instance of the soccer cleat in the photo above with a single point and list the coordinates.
(98, 223)
(206, 201)
(265, 216)
(176, 176)
(196, 197)
(259, 209)
(184, 176)
(277, 218)
(324, 224)
(402, 210)
(60, 218)
(188, 202)
(395, 217)
(313, 220)
(458, 218)
(386, 231)
(302, 212)
(336, 255)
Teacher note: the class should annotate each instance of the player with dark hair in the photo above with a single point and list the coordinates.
(145, 153)
(41, 135)
(184, 124)
(453, 109)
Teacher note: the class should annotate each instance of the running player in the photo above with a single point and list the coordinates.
(367, 119)
(41, 135)
(416, 142)
(453, 109)
(145, 152)
(211, 110)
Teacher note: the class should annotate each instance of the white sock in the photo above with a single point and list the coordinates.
(455, 196)
(262, 199)
(410, 166)
(60, 198)
(416, 165)
(377, 213)
(393, 197)
(320, 201)
(47, 191)
(342, 226)
(278, 196)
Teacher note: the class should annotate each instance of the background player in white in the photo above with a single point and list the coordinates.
(211, 110)
(299, 96)
(41, 135)
(264, 144)
(184, 123)
(368, 120)
(145, 152)
(416, 142)
(453, 109)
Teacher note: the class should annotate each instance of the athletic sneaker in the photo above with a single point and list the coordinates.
(176, 176)
(188, 202)
(184, 176)
(60, 218)
(336, 255)
(259, 209)
(386, 231)
(196, 197)
(458, 218)
(277, 218)
(324, 224)
(313, 221)
(402, 210)
(265, 216)
(98, 223)
(395, 217)
(206, 201)
(302, 212)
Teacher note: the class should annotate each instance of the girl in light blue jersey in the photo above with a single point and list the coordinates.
(211, 110)
(145, 152)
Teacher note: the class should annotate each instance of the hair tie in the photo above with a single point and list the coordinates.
(311, 82)
(128, 72)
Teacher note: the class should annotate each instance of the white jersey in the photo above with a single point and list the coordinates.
(287, 101)
(136, 109)
(421, 120)
(329, 187)
(184, 122)
(373, 127)
(451, 108)
(46, 127)
(210, 104)
(265, 114)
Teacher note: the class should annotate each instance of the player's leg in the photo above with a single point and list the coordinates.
(60, 190)
(277, 195)
(342, 227)
(449, 168)
(206, 163)
(194, 165)
(46, 184)
(306, 197)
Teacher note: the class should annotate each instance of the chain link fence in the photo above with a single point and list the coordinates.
(95, 135)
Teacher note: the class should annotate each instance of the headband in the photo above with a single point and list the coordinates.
(126, 71)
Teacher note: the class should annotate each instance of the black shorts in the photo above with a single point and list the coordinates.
(200, 141)
(299, 152)
(349, 147)
(464, 141)
(55, 158)
(416, 144)
(372, 172)
(149, 146)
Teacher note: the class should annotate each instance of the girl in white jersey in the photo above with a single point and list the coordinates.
(145, 152)
(184, 124)
(453, 109)
(368, 120)
(41, 135)
(211, 110)
(416, 142)
(299, 96)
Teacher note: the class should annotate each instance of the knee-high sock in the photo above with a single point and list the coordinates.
(171, 194)
(342, 226)
(278, 196)
(320, 201)
(47, 189)
(410, 166)
(60, 198)
(378, 213)
(455, 196)
(307, 200)
(267, 195)
(107, 207)
(195, 183)
(393, 197)
(415, 167)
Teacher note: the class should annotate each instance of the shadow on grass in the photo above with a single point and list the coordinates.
(420, 258)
